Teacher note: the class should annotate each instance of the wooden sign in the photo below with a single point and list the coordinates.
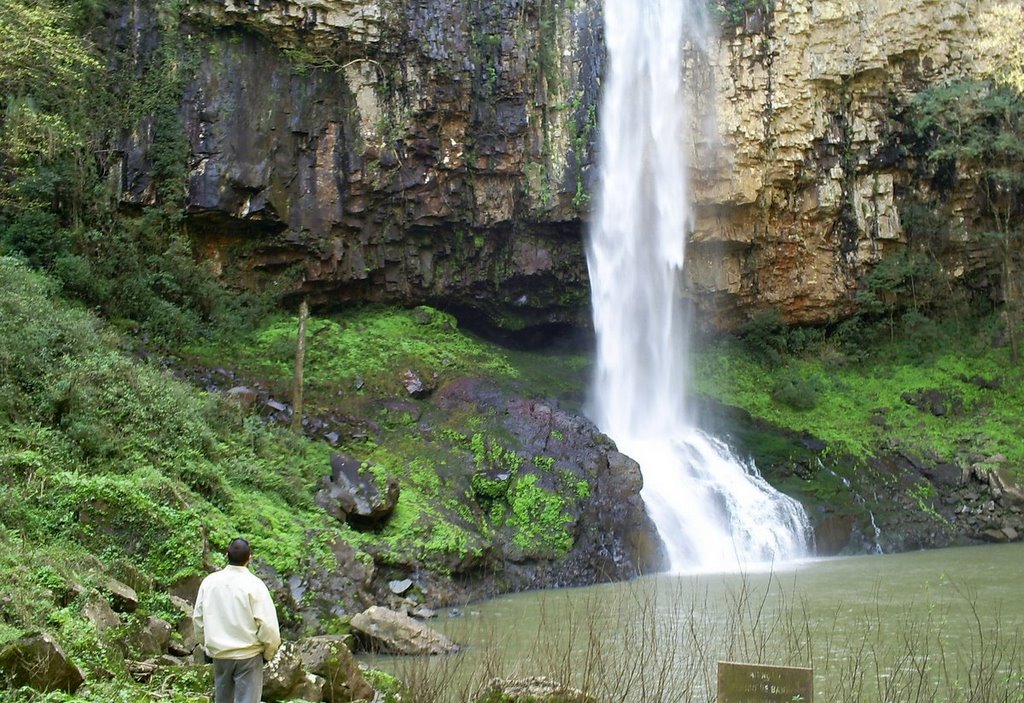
(757, 683)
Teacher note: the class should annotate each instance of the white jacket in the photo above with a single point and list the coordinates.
(234, 616)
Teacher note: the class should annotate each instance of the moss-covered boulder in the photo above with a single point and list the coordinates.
(39, 662)
(534, 689)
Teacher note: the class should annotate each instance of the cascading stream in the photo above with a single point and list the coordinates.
(713, 512)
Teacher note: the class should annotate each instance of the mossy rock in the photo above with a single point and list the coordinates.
(534, 689)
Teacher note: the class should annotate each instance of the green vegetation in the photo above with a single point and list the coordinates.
(733, 13)
(368, 350)
(59, 186)
(109, 466)
(839, 397)
(109, 462)
(539, 518)
(972, 131)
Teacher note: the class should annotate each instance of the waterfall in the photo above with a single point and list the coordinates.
(713, 512)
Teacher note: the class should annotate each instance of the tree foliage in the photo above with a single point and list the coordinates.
(46, 71)
(973, 132)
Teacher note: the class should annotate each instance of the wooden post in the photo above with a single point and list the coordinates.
(300, 360)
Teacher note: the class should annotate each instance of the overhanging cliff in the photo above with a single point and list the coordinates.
(442, 151)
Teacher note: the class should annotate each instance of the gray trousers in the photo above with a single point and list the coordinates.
(238, 680)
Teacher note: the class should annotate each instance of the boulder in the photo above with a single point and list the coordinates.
(415, 386)
(123, 597)
(384, 630)
(997, 535)
(143, 671)
(309, 688)
(534, 689)
(350, 495)
(154, 637)
(329, 657)
(98, 611)
(185, 628)
(1005, 485)
(243, 395)
(398, 587)
(37, 661)
(282, 674)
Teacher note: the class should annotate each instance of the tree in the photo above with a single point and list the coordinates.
(975, 130)
(45, 75)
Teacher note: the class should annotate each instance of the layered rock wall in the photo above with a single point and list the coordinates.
(806, 191)
(441, 151)
(406, 152)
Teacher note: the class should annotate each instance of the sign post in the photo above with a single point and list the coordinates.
(758, 683)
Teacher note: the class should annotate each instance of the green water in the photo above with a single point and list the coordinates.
(940, 625)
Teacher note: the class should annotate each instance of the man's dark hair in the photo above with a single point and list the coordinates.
(239, 552)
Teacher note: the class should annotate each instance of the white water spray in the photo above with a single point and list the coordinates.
(713, 513)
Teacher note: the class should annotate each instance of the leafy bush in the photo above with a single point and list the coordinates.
(35, 234)
(764, 336)
(796, 390)
(733, 13)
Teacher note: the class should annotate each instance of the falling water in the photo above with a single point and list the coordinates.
(713, 512)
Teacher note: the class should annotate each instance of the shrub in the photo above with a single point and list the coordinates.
(35, 234)
(764, 336)
(794, 390)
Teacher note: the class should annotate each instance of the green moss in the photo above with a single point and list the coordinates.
(539, 518)
(582, 489)
(370, 348)
(485, 488)
(849, 398)
(544, 463)
(430, 522)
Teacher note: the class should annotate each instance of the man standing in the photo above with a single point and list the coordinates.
(237, 624)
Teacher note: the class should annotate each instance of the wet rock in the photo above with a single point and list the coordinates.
(832, 534)
(384, 630)
(997, 535)
(943, 474)
(37, 661)
(332, 590)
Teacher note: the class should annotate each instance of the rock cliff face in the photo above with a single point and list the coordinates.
(442, 151)
(806, 193)
(433, 151)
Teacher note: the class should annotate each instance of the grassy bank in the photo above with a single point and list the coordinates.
(113, 467)
(973, 404)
